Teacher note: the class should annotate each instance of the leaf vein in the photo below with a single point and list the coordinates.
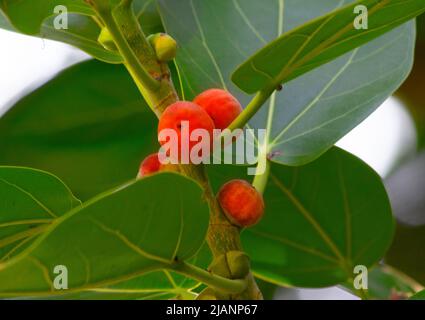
(37, 201)
(128, 243)
(309, 217)
(205, 44)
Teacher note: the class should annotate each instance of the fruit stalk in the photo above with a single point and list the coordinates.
(216, 282)
(131, 42)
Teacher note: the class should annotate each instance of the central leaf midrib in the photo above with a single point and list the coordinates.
(315, 52)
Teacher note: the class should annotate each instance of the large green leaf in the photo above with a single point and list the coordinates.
(152, 286)
(82, 33)
(32, 200)
(313, 111)
(90, 126)
(162, 284)
(82, 30)
(320, 41)
(156, 285)
(29, 202)
(321, 220)
(114, 237)
(28, 15)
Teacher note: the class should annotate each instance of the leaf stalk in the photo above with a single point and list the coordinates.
(252, 108)
(215, 281)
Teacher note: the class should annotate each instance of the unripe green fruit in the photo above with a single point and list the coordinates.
(165, 46)
(105, 39)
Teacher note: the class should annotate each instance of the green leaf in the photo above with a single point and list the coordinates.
(82, 30)
(315, 110)
(418, 296)
(161, 284)
(321, 220)
(82, 33)
(114, 237)
(152, 286)
(28, 15)
(30, 201)
(90, 126)
(320, 41)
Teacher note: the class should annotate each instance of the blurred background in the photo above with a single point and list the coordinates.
(391, 140)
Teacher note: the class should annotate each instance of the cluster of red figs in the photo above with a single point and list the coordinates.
(212, 109)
